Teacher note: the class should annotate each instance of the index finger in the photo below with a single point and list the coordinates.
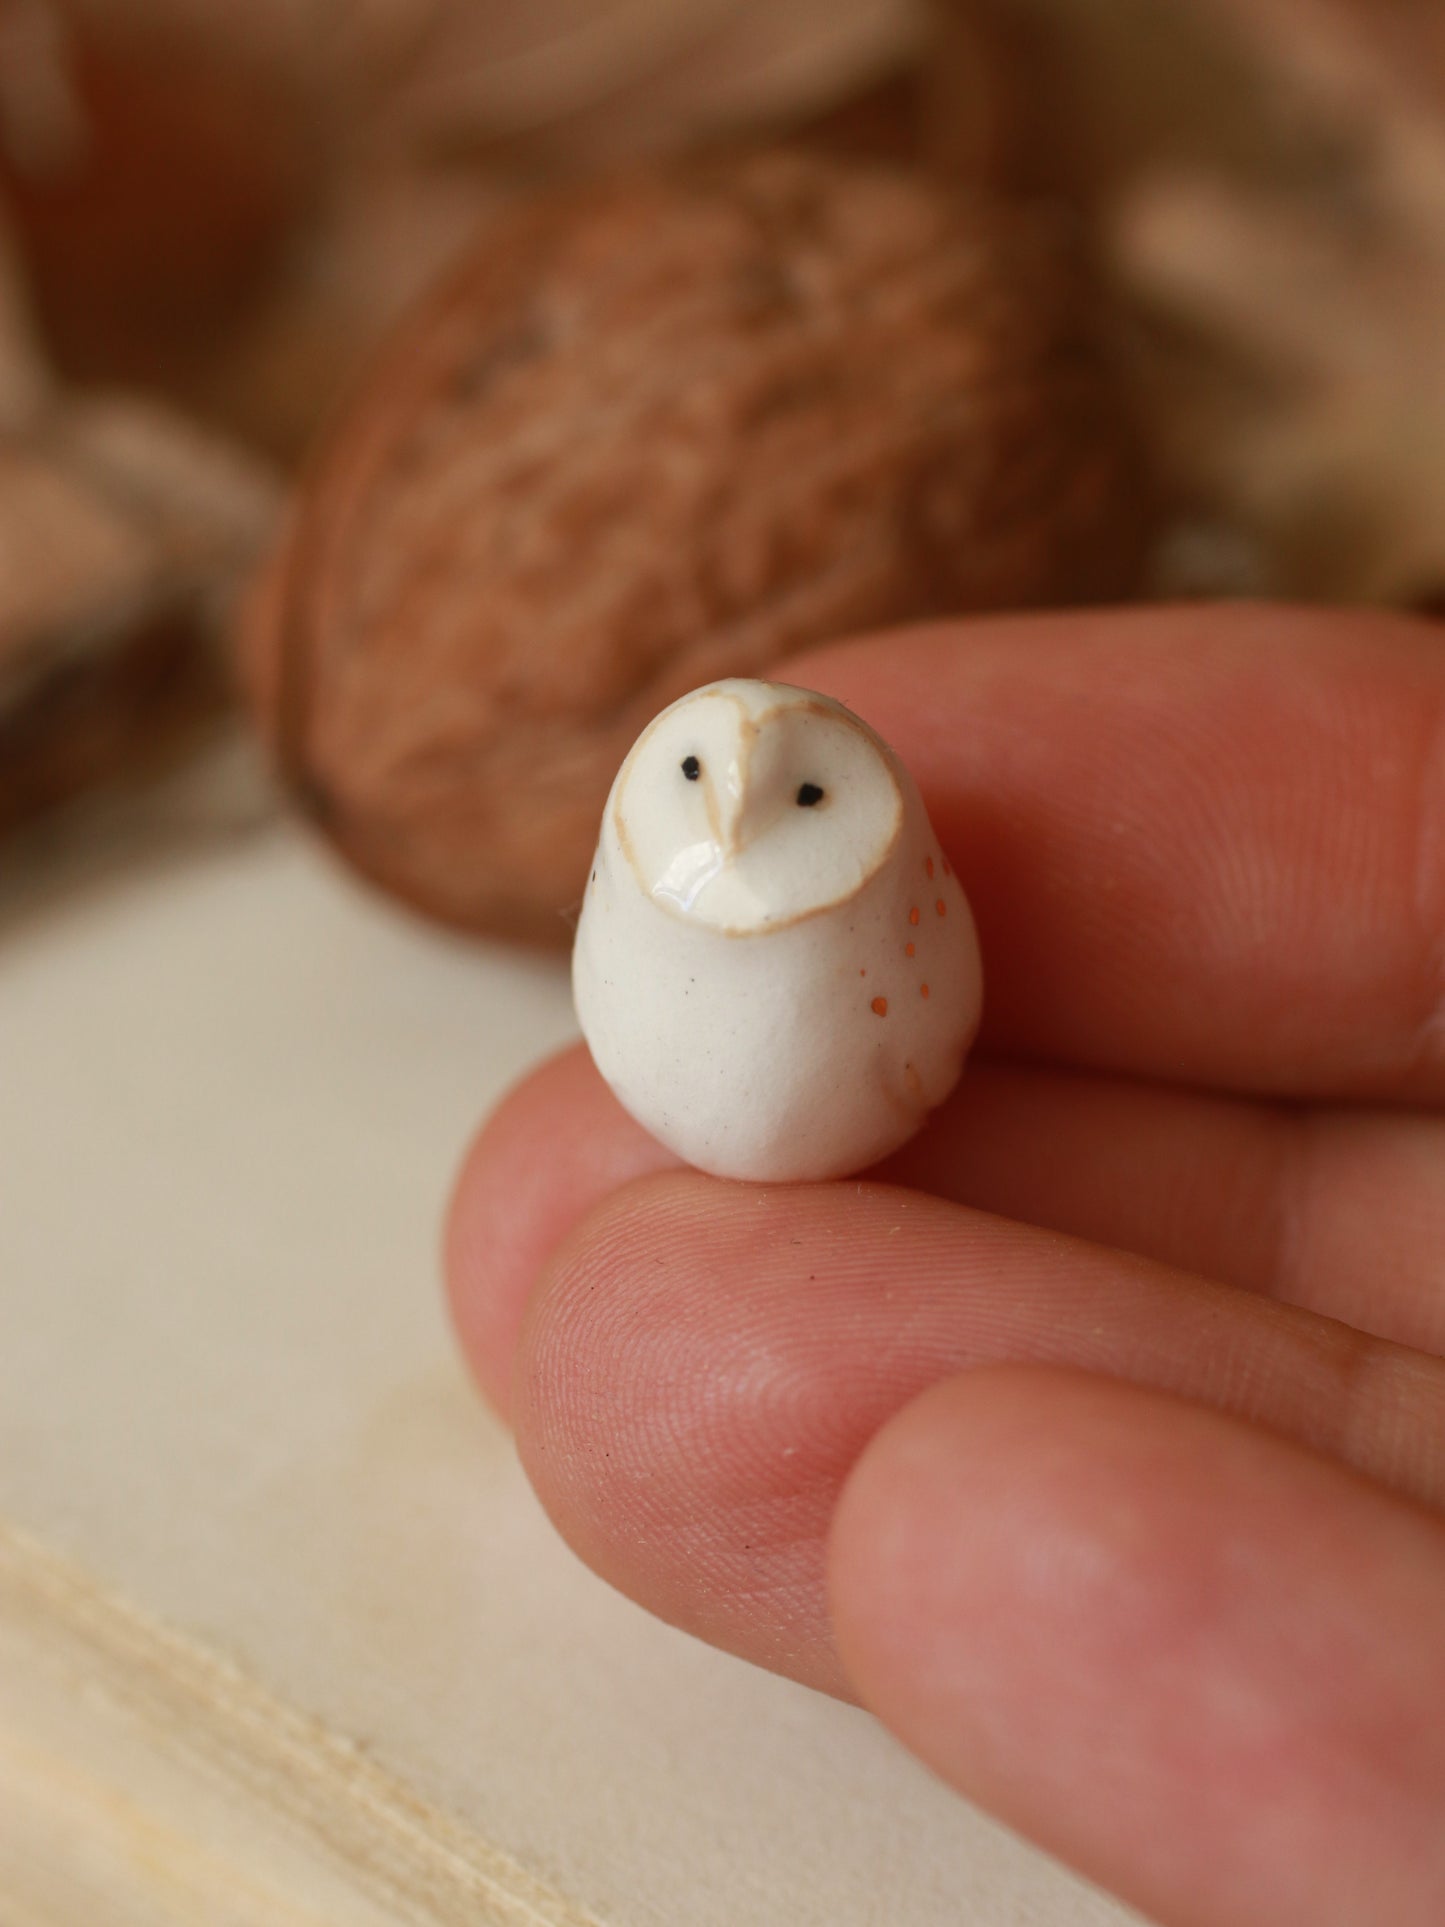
(1203, 844)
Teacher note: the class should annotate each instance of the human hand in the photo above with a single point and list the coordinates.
(1097, 1441)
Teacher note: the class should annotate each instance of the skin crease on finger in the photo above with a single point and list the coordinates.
(704, 1362)
(1200, 844)
(1338, 1210)
(1201, 1665)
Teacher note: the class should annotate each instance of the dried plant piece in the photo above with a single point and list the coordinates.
(1356, 53)
(1073, 100)
(26, 384)
(666, 431)
(123, 533)
(206, 508)
(629, 78)
(123, 536)
(1307, 397)
(584, 79)
(1270, 182)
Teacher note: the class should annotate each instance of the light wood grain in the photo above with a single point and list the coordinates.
(144, 1777)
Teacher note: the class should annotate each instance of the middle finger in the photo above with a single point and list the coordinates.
(1338, 1211)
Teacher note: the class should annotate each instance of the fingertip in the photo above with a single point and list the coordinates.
(670, 1414)
(555, 1146)
(927, 1531)
(1018, 1542)
(1181, 1653)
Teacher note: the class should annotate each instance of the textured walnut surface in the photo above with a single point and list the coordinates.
(656, 433)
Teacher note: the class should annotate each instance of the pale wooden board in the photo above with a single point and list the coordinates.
(232, 1092)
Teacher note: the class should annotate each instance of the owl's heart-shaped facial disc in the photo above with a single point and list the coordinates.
(751, 805)
(775, 968)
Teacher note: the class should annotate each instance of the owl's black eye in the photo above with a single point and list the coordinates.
(808, 795)
(691, 768)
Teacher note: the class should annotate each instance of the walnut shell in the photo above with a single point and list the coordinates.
(670, 429)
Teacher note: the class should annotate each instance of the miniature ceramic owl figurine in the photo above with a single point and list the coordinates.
(775, 968)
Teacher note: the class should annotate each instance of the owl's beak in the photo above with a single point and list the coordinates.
(731, 811)
(748, 805)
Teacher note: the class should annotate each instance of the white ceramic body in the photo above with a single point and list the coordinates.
(807, 1049)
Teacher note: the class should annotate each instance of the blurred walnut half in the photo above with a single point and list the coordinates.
(658, 432)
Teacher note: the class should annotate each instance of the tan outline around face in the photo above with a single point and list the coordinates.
(750, 729)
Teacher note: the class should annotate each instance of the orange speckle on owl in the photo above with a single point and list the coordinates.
(941, 907)
(908, 949)
(913, 916)
(880, 1006)
(923, 990)
(928, 866)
